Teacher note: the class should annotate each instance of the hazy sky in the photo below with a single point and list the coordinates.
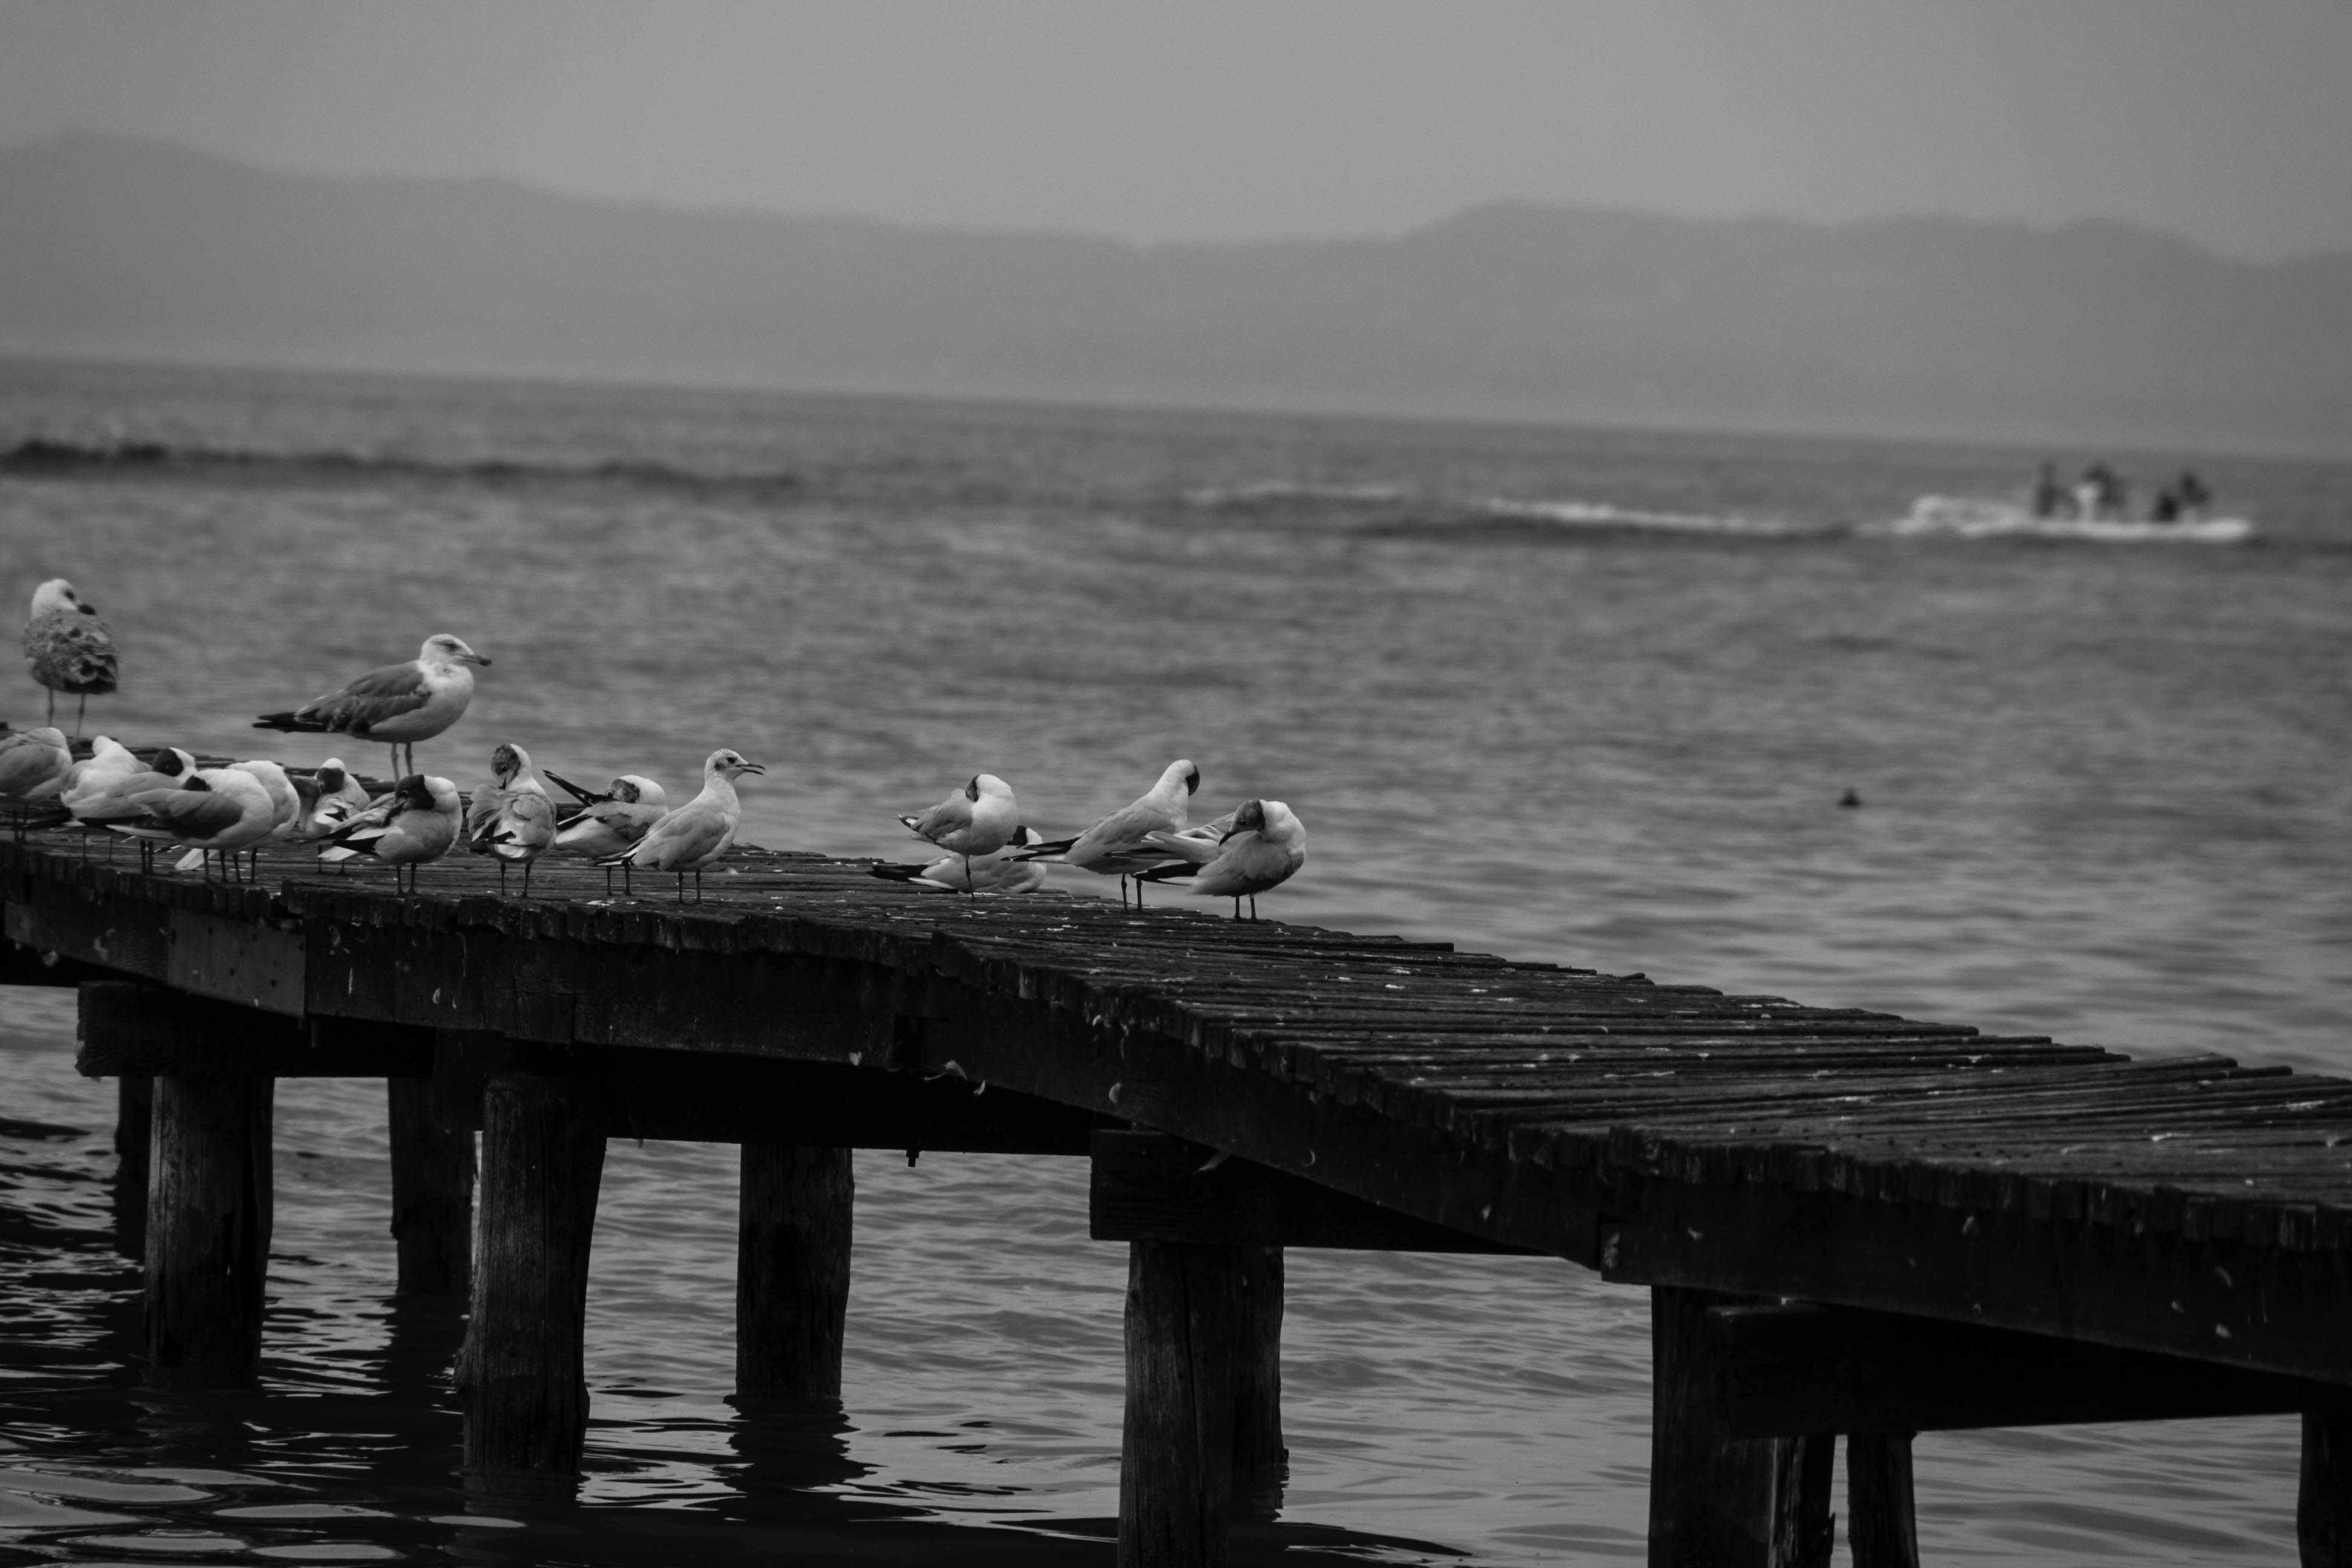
(2228, 121)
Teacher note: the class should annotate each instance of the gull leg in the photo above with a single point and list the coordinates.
(681, 887)
(1253, 905)
(53, 705)
(502, 875)
(968, 891)
(80, 712)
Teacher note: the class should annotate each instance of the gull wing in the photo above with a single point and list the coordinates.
(383, 693)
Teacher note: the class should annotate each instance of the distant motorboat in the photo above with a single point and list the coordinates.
(1981, 517)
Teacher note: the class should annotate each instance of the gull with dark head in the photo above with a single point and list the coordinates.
(611, 820)
(216, 812)
(511, 819)
(1265, 846)
(1004, 871)
(396, 704)
(412, 826)
(330, 797)
(697, 834)
(68, 647)
(1118, 846)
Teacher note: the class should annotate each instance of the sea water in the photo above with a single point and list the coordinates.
(1585, 696)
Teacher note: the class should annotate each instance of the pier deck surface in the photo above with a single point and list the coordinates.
(1663, 1134)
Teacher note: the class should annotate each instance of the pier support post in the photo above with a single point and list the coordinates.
(432, 1193)
(134, 1122)
(1717, 1500)
(1261, 1464)
(2323, 1511)
(791, 1271)
(543, 1162)
(1880, 1524)
(208, 1218)
(1176, 1459)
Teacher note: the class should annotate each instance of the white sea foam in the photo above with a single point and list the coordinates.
(1603, 515)
(1293, 492)
(1977, 517)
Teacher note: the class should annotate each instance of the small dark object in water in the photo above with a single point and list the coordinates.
(1849, 798)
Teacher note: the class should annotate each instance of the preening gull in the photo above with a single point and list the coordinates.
(700, 831)
(978, 819)
(33, 766)
(1002, 872)
(1265, 846)
(68, 647)
(330, 798)
(416, 823)
(398, 704)
(610, 821)
(511, 818)
(215, 812)
(1117, 847)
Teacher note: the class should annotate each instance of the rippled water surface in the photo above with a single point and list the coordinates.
(2106, 794)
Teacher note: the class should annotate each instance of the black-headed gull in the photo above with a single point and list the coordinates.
(978, 819)
(415, 824)
(610, 820)
(1004, 871)
(1117, 847)
(68, 647)
(511, 818)
(397, 704)
(698, 833)
(215, 812)
(1265, 845)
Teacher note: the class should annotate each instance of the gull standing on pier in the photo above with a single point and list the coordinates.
(1265, 845)
(1002, 872)
(68, 647)
(95, 795)
(412, 826)
(215, 812)
(511, 817)
(330, 798)
(33, 767)
(700, 831)
(978, 819)
(609, 822)
(1118, 846)
(397, 705)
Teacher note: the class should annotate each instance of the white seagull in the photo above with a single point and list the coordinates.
(608, 823)
(68, 647)
(398, 704)
(1265, 845)
(978, 819)
(96, 794)
(698, 833)
(1118, 844)
(33, 766)
(330, 797)
(416, 823)
(215, 811)
(511, 817)
(1002, 872)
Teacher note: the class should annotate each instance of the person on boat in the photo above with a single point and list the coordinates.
(2167, 506)
(2049, 495)
(2192, 494)
(2102, 493)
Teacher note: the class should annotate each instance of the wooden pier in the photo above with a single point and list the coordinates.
(1854, 1225)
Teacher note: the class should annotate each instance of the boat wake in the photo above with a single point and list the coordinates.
(46, 456)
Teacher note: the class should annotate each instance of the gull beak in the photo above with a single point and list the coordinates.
(753, 768)
(1229, 832)
(475, 658)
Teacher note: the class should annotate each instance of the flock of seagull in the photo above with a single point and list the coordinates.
(218, 815)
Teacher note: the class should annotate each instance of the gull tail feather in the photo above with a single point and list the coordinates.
(584, 796)
(1168, 873)
(292, 723)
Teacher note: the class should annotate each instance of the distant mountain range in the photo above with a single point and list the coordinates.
(2086, 333)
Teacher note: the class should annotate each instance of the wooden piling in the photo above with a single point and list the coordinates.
(1176, 1461)
(1880, 1524)
(432, 1193)
(208, 1219)
(2323, 1509)
(134, 1099)
(1261, 1463)
(791, 1271)
(1717, 1500)
(542, 1161)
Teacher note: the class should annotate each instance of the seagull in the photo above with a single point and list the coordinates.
(285, 809)
(978, 819)
(215, 811)
(511, 817)
(100, 797)
(417, 821)
(610, 823)
(698, 833)
(1001, 872)
(330, 797)
(1265, 846)
(33, 768)
(109, 763)
(1115, 845)
(68, 647)
(398, 704)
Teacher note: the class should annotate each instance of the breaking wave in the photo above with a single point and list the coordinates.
(1267, 494)
(43, 454)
